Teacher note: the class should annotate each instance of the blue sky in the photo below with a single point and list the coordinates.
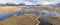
(32, 1)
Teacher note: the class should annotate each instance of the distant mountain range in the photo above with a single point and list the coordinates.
(58, 4)
(13, 4)
(22, 4)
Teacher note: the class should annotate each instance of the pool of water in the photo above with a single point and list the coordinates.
(44, 13)
(37, 12)
(5, 15)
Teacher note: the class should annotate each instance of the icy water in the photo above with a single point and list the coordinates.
(44, 13)
(5, 15)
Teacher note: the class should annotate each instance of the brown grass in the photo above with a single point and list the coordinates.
(54, 20)
(10, 8)
(16, 8)
(26, 19)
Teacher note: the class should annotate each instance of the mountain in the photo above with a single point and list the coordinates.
(57, 5)
(11, 4)
(2, 4)
(14, 4)
(21, 4)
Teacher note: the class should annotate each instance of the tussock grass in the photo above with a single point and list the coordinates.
(54, 20)
(26, 19)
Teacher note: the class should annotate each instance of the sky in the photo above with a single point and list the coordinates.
(30, 2)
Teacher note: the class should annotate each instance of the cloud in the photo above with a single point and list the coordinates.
(47, 3)
(32, 1)
(29, 3)
(42, 1)
(17, 1)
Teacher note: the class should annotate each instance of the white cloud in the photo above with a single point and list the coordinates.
(47, 3)
(29, 3)
(42, 1)
(32, 1)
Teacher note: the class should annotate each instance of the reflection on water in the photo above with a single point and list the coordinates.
(37, 12)
(5, 15)
(22, 12)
